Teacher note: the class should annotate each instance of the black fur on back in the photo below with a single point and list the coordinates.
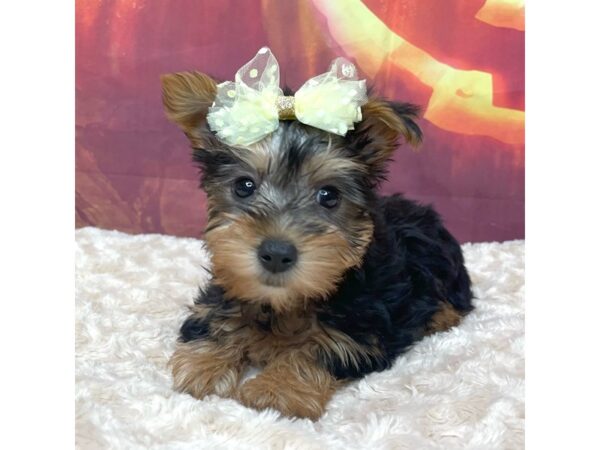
(412, 264)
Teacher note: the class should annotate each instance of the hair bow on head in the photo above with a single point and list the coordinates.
(248, 109)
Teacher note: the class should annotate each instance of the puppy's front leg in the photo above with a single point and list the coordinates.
(204, 367)
(294, 385)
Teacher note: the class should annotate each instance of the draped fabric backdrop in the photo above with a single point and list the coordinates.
(461, 60)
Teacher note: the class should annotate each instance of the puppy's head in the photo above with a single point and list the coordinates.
(291, 213)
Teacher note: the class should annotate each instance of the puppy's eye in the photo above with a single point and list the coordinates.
(244, 187)
(328, 197)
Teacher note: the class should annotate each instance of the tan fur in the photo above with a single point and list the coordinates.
(186, 98)
(299, 333)
(444, 319)
(289, 348)
(202, 367)
(322, 261)
(293, 385)
(386, 128)
(380, 116)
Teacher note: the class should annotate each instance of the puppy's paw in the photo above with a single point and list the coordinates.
(292, 400)
(199, 369)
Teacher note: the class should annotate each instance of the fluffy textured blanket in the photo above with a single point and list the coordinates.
(460, 389)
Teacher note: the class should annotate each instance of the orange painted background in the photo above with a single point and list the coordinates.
(461, 60)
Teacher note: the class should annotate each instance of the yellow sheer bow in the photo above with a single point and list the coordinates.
(248, 109)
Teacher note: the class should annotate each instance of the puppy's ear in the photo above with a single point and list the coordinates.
(186, 98)
(384, 127)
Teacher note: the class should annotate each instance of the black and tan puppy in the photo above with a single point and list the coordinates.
(316, 279)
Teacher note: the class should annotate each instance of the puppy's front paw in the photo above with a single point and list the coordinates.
(200, 369)
(291, 399)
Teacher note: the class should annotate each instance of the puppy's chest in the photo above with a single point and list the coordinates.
(271, 336)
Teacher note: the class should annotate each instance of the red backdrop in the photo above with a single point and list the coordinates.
(462, 60)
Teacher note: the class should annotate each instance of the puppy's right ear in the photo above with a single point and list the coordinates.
(186, 98)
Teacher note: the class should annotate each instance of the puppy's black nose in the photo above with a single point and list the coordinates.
(277, 256)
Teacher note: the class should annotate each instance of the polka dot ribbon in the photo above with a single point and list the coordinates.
(249, 109)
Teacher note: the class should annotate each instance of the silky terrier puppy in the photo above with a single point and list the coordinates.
(315, 278)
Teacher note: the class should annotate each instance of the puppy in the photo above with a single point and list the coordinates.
(316, 279)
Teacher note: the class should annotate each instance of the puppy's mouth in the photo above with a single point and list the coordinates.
(273, 280)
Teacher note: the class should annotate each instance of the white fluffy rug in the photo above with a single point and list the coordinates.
(459, 389)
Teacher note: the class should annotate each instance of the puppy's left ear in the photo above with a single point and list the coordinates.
(385, 126)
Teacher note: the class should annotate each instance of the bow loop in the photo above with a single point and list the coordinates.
(247, 110)
(332, 101)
